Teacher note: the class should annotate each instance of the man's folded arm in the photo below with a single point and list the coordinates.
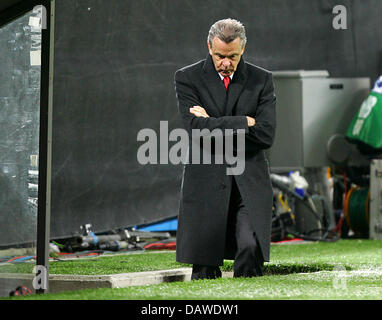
(187, 98)
(263, 132)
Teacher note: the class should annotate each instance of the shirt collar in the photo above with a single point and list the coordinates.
(221, 77)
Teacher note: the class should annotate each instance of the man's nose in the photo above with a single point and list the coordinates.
(226, 63)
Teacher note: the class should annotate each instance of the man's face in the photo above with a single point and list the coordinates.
(226, 56)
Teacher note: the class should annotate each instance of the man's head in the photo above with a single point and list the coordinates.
(226, 43)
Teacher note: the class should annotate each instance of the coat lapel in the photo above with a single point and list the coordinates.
(236, 86)
(216, 87)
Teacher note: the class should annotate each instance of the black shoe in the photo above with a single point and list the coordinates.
(248, 272)
(205, 272)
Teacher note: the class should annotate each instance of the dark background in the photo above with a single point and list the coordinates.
(113, 76)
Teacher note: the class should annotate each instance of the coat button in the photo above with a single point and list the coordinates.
(223, 186)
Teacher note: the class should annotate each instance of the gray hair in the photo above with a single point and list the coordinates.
(227, 30)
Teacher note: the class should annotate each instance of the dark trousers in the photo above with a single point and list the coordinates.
(248, 259)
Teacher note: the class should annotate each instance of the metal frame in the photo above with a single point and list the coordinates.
(45, 143)
(45, 139)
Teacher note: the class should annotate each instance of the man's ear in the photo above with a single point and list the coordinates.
(242, 50)
(209, 48)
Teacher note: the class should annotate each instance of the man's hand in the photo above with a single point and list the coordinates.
(251, 121)
(198, 111)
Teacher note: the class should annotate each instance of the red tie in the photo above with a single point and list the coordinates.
(226, 82)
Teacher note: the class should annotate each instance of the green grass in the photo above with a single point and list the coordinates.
(318, 286)
(347, 269)
(107, 264)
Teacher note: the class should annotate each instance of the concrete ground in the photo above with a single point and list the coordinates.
(59, 283)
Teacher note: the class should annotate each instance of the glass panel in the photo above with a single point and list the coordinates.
(20, 70)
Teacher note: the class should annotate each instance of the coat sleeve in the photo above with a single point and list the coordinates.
(263, 132)
(187, 96)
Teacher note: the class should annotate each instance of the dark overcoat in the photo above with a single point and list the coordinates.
(204, 235)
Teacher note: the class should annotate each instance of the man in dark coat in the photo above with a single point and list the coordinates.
(225, 216)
